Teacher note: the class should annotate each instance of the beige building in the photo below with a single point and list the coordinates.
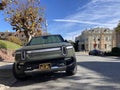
(97, 38)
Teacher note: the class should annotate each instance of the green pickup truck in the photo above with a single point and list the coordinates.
(48, 53)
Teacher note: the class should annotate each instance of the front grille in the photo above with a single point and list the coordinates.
(35, 64)
(23, 55)
(40, 55)
(64, 50)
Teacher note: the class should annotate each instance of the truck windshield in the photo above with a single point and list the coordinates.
(46, 40)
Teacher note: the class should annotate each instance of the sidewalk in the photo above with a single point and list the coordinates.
(82, 52)
(6, 77)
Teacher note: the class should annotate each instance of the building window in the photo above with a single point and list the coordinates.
(98, 45)
(105, 46)
(16, 35)
(10, 34)
(110, 38)
(22, 35)
(107, 38)
(2, 34)
(94, 38)
(98, 39)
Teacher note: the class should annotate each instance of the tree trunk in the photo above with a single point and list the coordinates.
(30, 37)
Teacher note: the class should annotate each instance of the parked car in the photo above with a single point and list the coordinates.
(49, 53)
(96, 52)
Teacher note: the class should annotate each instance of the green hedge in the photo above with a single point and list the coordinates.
(115, 52)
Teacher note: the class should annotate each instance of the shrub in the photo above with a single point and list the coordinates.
(112, 54)
(115, 50)
(15, 40)
(3, 45)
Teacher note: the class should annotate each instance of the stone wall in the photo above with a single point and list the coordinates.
(6, 55)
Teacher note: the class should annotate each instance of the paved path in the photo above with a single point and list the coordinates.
(94, 73)
(6, 77)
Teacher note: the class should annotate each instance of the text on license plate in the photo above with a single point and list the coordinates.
(45, 66)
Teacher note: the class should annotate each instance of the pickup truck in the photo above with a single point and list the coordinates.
(48, 53)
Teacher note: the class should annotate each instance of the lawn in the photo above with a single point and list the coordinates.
(10, 45)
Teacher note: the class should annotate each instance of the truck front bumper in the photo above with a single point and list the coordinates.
(56, 65)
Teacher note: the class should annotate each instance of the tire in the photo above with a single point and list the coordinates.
(18, 74)
(72, 70)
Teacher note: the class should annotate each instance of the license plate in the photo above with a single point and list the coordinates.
(45, 66)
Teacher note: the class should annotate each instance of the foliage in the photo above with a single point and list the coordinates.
(111, 54)
(15, 40)
(25, 15)
(3, 5)
(3, 45)
(70, 41)
(116, 50)
(117, 29)
(74, 44)
(10, 45)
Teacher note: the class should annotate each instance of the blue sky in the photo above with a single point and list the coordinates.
(70, 17)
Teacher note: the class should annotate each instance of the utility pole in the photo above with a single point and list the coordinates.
(46, 25)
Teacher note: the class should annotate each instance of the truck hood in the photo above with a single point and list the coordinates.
(43, 46)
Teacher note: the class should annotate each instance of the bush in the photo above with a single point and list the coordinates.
(15, 40)
(115, 50)
(112, 54)
(3, 45)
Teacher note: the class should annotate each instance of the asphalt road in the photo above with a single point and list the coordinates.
(94, 73)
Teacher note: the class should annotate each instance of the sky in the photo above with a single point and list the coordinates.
(70, 17)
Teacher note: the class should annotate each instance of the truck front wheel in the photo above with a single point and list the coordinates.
(18, 74)
(71, 70)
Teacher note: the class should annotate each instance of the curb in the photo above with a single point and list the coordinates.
(3, 87)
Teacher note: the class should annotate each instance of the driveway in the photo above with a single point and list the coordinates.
(94, 73)
(6, 77)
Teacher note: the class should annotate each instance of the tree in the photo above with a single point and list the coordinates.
(117, 29)
(25, 16)
(117, 35)
(2, 5)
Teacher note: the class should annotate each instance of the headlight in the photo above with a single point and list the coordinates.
(20, 54)
(69, 47)
(65, 49)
